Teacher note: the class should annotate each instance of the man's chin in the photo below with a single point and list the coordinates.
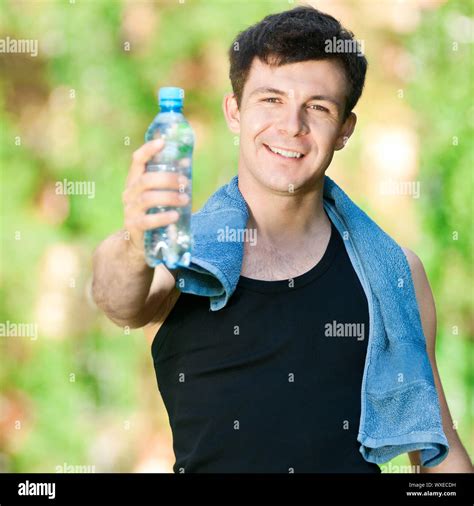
(283, 182)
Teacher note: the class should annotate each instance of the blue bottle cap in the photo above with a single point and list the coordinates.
(170, 93)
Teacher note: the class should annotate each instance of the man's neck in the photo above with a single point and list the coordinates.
(285, 220)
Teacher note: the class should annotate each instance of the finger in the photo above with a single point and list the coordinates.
(155, 181)
(150, 198)
(149, 221)
(141, 156)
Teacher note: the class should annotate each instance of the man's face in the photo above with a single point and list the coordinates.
(297, 108)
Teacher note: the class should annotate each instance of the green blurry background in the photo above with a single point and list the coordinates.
(83, 396)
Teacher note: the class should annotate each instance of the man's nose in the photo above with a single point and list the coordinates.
(292, 122)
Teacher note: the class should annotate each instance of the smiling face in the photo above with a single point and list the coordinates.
(290, 122)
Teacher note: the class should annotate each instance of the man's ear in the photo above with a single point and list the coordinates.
(346, 131)
(231, 112)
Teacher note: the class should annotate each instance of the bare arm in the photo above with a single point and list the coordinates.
(458, 460)
(124, 286)
(127, 290)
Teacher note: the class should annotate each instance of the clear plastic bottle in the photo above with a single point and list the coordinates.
(172, 244)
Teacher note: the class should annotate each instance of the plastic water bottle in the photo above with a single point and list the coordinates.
(172, 244)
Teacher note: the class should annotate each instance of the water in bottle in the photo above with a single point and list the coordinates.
(172, 244)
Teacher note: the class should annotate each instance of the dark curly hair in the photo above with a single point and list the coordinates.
(292, 36)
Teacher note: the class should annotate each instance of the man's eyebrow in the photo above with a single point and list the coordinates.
(266, 90)
(275, 91)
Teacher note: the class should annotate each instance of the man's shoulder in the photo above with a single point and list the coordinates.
(417, 269)
(424, 297)
(413, 259)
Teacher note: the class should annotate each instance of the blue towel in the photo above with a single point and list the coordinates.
(400, 409)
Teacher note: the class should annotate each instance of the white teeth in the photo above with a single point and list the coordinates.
(287, 154)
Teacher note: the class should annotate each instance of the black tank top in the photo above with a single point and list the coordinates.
(271, 382)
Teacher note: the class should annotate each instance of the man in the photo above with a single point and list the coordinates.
(261, 386)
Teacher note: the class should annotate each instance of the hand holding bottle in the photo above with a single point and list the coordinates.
(146, 190)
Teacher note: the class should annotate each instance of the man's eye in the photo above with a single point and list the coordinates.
(319, 108)
(271, 100)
